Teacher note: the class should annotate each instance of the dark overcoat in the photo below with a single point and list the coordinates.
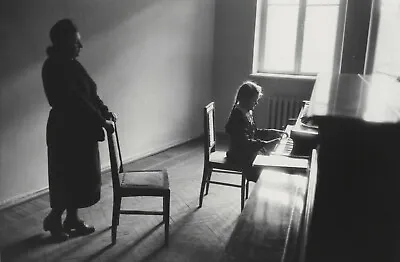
(74, 128)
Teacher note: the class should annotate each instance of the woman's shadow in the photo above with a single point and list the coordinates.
(38, 245)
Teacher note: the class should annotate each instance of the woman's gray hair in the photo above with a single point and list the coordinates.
(62, 29)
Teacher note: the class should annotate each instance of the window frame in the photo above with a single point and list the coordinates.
(260, 38)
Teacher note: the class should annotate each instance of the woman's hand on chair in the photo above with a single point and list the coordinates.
(112, 116)
(109, 126)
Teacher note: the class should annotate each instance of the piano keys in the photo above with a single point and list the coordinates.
(285, 146)
(302, 137)
(304, 134)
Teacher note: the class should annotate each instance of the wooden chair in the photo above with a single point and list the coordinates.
(216, 160)
(135, 183)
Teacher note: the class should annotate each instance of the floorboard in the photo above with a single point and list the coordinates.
(195, 234)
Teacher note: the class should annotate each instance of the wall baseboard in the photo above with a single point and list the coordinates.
(106, 168)
(152, 151)
(22, 198)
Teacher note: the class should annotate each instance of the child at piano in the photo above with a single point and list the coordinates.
(245, 139)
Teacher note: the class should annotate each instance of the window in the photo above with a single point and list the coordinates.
(298, 37)
(387, 48)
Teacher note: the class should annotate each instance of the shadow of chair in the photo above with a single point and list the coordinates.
(216, 161)
(135, 183)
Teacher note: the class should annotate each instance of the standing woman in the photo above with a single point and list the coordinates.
(75, 125)
(246, 140)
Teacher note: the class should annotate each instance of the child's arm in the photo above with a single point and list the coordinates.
(270, 133)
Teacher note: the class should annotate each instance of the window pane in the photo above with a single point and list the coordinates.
(282, 2)
(390, 3)
(280, 38)
(323, 2)
(387, 52)
(319, 39)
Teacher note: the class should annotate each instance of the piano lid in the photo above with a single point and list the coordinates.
(372, 98)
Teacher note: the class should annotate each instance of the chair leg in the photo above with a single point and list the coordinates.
(247, 189)
(166, 210)
(203, 184)
(242, 189)
(115, 218)
(118, 209)
(208, 181)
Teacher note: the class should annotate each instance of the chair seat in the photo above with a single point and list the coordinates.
(145, 179)
(219, 160)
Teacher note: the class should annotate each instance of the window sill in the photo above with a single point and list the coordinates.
(283, 76)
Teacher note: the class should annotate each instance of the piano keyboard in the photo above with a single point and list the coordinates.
(284, 147)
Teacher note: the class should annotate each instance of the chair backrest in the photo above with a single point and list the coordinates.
(115, 157)
(209, 129)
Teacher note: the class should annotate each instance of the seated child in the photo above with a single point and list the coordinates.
(246, 140)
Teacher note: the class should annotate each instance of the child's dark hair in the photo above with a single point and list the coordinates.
(247, 90)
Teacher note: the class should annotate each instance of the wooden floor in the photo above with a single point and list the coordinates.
(195, 234)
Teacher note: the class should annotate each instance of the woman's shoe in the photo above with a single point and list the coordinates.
(55, 228)
(77, 227)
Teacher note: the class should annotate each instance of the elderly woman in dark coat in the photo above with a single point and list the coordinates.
(75, 125)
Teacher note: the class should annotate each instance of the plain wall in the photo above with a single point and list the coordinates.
(233, 58)
(151, 60)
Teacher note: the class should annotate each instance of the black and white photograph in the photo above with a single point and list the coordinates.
(200, 130)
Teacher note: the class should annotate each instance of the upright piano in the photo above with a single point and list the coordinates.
(344, 207)
(354, 214)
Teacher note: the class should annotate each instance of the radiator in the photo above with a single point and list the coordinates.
(275, 111)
